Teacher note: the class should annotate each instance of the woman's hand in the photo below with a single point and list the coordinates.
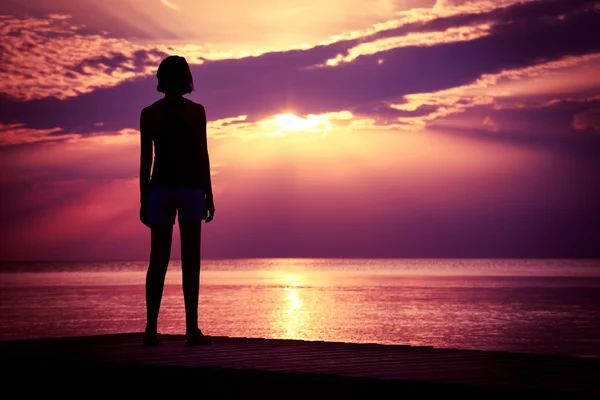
(210, 207)
(144, 214)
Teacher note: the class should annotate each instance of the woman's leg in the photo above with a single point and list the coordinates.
(160, 253)
(190, 232)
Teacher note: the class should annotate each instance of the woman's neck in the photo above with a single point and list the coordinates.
(170, 96)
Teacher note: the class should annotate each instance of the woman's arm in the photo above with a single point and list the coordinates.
(210, 203)
(204, 151)
(145, 156)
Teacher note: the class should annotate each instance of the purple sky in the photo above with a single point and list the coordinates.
(376, 128)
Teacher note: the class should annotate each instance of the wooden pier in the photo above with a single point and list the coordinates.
(247, 368)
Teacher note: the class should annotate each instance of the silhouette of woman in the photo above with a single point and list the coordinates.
(173, 130)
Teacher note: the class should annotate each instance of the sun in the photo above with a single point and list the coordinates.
(282, 124)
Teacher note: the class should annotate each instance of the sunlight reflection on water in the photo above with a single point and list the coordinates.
(543, 312)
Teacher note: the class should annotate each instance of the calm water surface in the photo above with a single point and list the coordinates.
(539, 306)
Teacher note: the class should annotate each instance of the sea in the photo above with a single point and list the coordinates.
(543, 306)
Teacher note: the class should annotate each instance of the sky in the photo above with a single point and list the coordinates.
(337, 128)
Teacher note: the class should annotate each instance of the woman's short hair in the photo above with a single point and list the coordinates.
(174, 76)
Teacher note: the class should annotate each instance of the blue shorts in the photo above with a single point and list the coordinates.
(165, 201)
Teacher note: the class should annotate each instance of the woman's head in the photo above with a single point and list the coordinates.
(174, 76)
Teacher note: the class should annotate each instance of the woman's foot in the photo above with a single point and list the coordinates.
(151, 338)
(197, 338)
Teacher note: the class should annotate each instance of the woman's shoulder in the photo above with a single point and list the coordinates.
(151, 107)
(195, 110)
(195, 105)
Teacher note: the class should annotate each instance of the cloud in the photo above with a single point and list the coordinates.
(490, 124)
(421, 39)
(587, 119)
(19, 134)
(56, 57)
(537, 86)
(523, 39)
(549, 128)
(53, 57)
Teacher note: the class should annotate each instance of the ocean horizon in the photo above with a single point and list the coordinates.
(543, 306)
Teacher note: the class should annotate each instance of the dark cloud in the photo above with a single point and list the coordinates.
(383, 114)
(588, 119)
(118, 61)
(515, 13)
(550, 127)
